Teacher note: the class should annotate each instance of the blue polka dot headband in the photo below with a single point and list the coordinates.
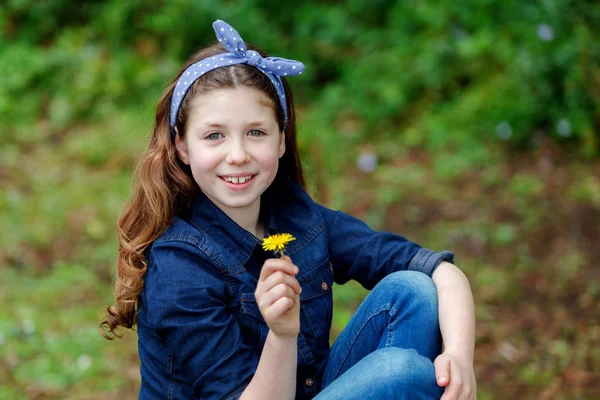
(273, 67)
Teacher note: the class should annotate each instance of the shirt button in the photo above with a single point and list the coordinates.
(324, 286)
(309, 382)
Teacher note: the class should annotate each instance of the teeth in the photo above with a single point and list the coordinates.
(242, 179)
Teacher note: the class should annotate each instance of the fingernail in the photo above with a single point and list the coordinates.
(296, 270)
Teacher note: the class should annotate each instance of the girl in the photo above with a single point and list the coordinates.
(217, 315)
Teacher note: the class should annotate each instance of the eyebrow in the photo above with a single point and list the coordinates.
(220, 126)
(214, 125)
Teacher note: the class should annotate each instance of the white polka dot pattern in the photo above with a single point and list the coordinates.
(272, 67)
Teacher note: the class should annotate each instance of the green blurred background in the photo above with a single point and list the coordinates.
(472, 126)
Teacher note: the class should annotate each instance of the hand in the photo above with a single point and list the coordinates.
(457, 375)
(277, 296)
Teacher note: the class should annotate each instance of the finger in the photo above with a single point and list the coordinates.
(442, 370)
(277, 264)
(453, 390)
(278, 308)
(280, 277)
(279, 291)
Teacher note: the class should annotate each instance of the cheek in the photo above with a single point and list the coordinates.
(204, 160)
(270, 160)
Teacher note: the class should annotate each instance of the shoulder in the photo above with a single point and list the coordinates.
(187, 236)
(182, 232)
(180, 274)
(303, 204)
(180, 278)
(182, 250)
(296, 200)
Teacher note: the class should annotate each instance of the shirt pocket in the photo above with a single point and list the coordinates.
(316, 303)
(252, 324)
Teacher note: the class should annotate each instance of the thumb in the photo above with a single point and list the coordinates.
(442, 370)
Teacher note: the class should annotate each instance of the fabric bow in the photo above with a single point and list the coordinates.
(232, 41)
(273, 67)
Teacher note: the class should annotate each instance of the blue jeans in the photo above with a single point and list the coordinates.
(387, 349)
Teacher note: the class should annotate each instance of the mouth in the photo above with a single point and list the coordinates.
(237, 180)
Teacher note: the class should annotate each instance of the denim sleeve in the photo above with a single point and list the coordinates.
(367, 256)
(427, 260)
(186, 301)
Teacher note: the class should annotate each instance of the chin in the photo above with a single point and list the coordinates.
(239, 203)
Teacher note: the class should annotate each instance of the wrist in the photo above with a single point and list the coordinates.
(284, 338)
(465, 355)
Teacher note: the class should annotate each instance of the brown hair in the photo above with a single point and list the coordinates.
(164, 186)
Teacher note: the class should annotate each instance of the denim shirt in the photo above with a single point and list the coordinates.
(200, 330)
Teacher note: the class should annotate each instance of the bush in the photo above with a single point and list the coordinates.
(434, 74)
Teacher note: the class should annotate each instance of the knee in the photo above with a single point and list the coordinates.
(415, 287)
(387, 373)
(404, 369)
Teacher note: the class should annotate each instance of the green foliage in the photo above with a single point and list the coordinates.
(429, 73)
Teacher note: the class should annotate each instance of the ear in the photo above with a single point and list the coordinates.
(281, 144)
(182, 148)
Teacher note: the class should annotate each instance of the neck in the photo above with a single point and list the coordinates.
(248, 218)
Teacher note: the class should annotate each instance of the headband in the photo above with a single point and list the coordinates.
(273, 67)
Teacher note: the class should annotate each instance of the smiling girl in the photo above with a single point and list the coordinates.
(220, 317)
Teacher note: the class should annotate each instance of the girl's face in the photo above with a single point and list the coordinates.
(232, 144)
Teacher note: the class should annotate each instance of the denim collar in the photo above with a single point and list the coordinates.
(208, 217)
(286, 210)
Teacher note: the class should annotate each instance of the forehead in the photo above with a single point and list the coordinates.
(232, 104)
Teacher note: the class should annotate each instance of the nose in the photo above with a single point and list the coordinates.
(237, 153)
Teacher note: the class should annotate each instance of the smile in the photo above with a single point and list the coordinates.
(237, 179)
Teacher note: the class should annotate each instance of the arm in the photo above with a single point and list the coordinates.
(360, 253)
(277, 296)
(275, 377)
(186, 303)
(454, 368)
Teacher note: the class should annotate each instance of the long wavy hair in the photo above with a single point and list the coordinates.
(163, 186)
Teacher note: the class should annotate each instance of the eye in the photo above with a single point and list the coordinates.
(256, 133)
(213, 136)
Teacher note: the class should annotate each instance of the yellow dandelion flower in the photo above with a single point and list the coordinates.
(277, 242)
